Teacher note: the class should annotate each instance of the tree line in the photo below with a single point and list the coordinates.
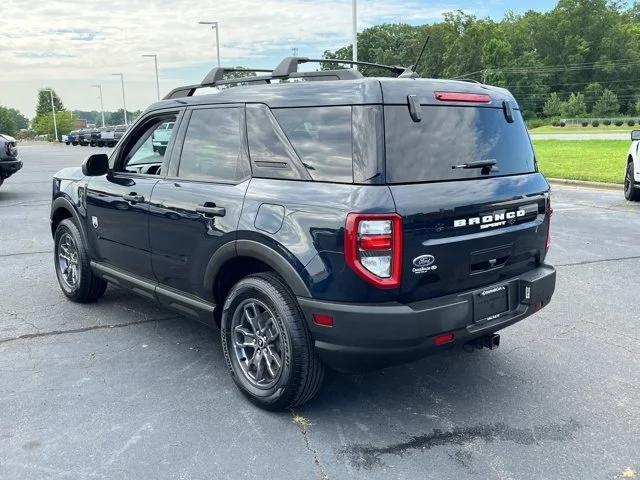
(580, 58)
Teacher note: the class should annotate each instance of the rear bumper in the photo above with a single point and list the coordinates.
(9, 167)
(369, 336)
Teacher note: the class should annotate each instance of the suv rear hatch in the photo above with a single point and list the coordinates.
(463, 228)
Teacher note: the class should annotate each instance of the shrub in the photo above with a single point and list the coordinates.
(631, 123)
(619, 123)
(563, 124)
(536, 122)
(554, 124)
(585, 124)
(607, 122)
(595, 123)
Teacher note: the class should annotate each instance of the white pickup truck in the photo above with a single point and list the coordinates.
(632, 174)
(161, 136)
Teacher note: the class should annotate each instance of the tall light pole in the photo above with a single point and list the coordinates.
(99, 87)
(155, 59)
(215, 26)
(124, 102)
(53, 110)
(354, 15)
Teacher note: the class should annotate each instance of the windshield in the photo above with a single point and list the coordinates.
(449, 137)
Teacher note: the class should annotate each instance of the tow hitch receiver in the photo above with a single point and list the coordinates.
(491, 341)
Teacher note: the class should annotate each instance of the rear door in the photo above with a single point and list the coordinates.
(464, 227)
(196, 209)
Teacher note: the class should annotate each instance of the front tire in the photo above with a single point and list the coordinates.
(631, 193)
(267, 345)
(75, 277)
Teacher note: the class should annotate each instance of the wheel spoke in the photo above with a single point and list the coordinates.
(273, 362)
(259, 365)
(251, 315)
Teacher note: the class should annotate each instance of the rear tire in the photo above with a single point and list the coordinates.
(74, 273)
(631, 193)
(267, 345)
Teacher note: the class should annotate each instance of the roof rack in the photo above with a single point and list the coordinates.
(286, 69)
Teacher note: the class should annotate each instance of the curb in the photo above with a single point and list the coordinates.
(584, 184)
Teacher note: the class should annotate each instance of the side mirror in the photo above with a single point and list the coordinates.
(95, 165)
(635, 135)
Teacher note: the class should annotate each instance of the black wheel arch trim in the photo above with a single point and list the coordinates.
(65, 204)
(259, 251)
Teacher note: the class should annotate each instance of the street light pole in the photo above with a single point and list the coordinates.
(215, 26)
(354, 15)
(155, 59)
(124, 102)
(53, 110)
(99, 87)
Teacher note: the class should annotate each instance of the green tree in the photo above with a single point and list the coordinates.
(636, 107)
(607, 105)
(592, 92)
(553, 106)
(44, 102)
(65, 122)
(574, 107)
(12, 121)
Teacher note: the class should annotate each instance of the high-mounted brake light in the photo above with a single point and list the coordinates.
(463, 97)
(373, 247)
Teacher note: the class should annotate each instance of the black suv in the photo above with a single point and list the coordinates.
(350, 222)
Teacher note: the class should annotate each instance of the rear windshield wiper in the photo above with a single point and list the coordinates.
(484, 164)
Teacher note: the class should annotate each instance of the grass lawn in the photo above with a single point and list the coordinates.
(592, 160)
(580, 129)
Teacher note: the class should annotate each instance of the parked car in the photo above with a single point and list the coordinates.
(84, 137)
(346, 222)
(161, 136)
(107, 137)
(119, 132)
(72, 138)
(94, 137)
(9, 161)
(632, 172)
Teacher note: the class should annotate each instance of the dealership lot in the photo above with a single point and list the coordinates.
(125, 389)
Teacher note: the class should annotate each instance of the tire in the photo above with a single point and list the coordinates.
(279, 318)
(631, 193)
(75, 144)
(161, 150)
(67, 143)
(87, 287)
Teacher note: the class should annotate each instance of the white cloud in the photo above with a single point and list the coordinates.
(69, 45)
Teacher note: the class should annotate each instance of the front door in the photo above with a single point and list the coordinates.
(118, 203)
(197, 208)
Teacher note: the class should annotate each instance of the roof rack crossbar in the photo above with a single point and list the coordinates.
(290, 65)
(287, 68)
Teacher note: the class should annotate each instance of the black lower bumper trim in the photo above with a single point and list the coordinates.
(369, 336)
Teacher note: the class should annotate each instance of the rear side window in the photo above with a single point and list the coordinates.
(449, 136)
(212, 148)
(322, 139)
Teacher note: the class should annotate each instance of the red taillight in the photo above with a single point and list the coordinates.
(462, 97)
(373, 247)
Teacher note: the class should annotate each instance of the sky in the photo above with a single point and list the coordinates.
(71, 45)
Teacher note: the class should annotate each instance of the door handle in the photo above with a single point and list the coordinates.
(133, 197)
(210, 210)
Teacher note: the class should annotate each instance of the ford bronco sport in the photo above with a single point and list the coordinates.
(346, 222)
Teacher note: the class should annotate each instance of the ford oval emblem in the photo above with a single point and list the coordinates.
(424, 260)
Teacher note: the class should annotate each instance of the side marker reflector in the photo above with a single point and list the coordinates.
(444, 338)
(323, 320)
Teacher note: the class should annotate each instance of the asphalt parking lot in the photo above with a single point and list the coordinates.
(125, 389)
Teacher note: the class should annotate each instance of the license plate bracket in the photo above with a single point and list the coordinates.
(490, 304)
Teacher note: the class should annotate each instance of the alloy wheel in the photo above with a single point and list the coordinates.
(68, 260)
(257, 343)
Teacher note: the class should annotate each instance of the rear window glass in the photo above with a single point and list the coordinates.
(451, 136)
(321, 137)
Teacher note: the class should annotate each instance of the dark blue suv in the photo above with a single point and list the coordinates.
(318, 219)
